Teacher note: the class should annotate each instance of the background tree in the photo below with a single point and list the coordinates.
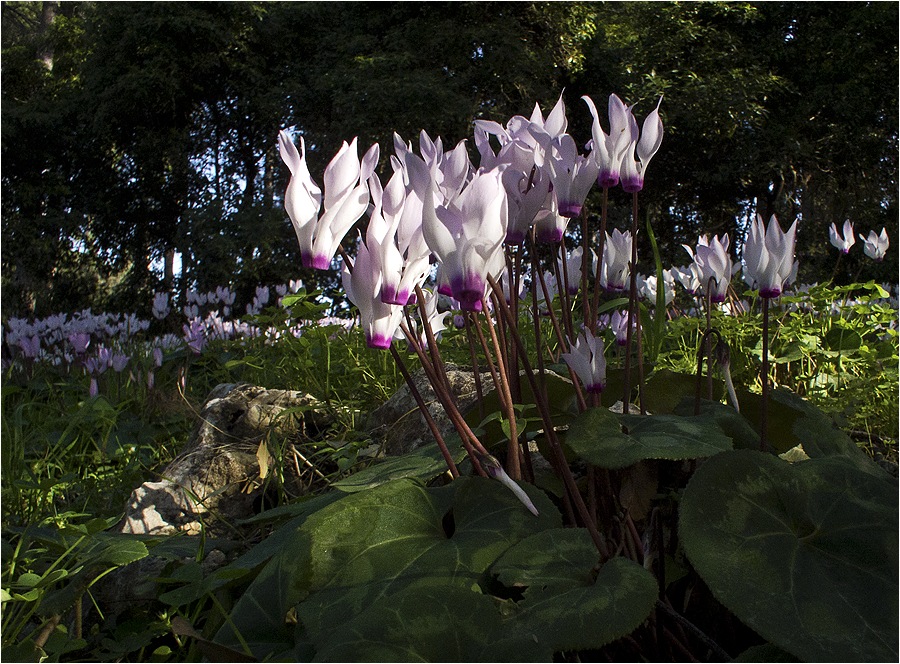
(136, 135)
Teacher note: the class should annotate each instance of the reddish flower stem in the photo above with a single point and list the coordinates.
(429, 420)
(543, 409)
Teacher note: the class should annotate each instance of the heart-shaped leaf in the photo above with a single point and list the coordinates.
(582, 617)
(360, 552)
(605, 439)
(804, 553)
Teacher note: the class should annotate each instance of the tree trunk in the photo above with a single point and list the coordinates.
(45, 46)
(169, 278)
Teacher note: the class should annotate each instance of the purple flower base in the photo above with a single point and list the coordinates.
(549, 236)
(390, 295)
(468, 290)
(633, 185)
(379, 341)
(569, 209)
(514, 238)
(607, 180)
(318, 262)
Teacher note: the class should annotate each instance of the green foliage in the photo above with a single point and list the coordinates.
(132, 133)
(48, 568)
(804, 553)
(405, 572)
(608, 440)
(814, 354)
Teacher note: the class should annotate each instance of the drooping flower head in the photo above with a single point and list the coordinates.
(608, 150)
(396, 244)
(688, 276)
(634, 171)
(876, 245)
(843, 243)
(769, 257)
(571, 173)
(714, 265)
(160, 305)
(614, 269)
(467, 236)
(345, 199)
(573, 268)
(362, 282)
(587, 361)
(648, 287)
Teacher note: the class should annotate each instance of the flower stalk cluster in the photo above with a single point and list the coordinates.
(445, 236)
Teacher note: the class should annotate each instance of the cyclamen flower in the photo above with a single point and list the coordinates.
(467, 236)
(769, 257)
(876, 245)
(362, 281)
(614, 269)
(118, 362)
(527, 186)
(648, 287)
(31, 346)
(549, 224)
(526, 194)
(587, 361)
(395, 236)
(688, 276)
(345, 200)
(573, 269)
(572, 174)
(651, 135)
(195, 336)
(715, 265)
(495, 471)
(619, 326)
(609, 150)
(843, 243)
(160, 305)
(80, 342)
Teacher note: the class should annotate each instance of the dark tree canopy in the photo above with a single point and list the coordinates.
(133, 133)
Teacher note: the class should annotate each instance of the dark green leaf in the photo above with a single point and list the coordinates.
(616, 441)
(424, 464)
(804, 553)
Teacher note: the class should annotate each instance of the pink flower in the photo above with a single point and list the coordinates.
(395, 235)
(195, 336)
(31, 346)
(467, 236)
(843, 243)
(633, 171)
(571, 173)
(609, 150)
(769, 257)
(587, 361)
(118, 361)
(379, 319)
(345, 200)
(614, 270)
(876, 245)
(714, 264)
